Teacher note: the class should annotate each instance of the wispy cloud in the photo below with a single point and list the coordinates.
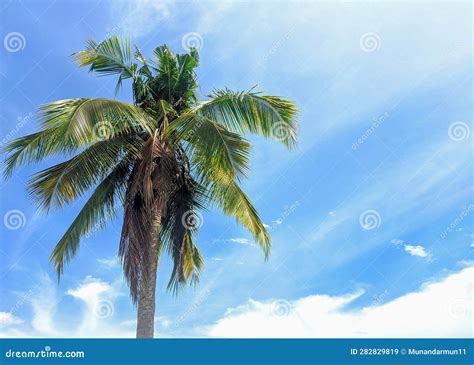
(44, 305)
(138, 18)
(238, 240)
(241, 241)
(110, 262)
(97, 319)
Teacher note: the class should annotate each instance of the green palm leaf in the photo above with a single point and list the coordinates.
(99, 207)
(234, 202)
(65, 182)
(215, 150)
(109, 57)
(35, 147)
(270, 116)
(187, 264)
(71, 124)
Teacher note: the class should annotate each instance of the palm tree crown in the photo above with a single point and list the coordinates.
(161, 159)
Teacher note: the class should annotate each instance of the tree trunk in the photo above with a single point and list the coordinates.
(146, 301)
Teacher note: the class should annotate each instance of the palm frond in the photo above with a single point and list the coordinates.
(186, 80)
(187, 265)
(66, 181)
(181, 220)
(144, 70)
(71, 124)
(88, 120)
(214, 149)
(110, 57)
(166, 111)
(175, 80)
(234, 202)
(163, 62)
(99, 207)
(35, 147)
(270, 116)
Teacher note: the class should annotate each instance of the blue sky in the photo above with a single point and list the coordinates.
(371, 216)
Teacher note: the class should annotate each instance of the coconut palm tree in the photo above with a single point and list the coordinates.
(161, 159)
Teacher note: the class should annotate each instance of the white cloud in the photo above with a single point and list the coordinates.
(416, 250)
(438, 309)
(8, 319)
(90, 290)
(99, 300)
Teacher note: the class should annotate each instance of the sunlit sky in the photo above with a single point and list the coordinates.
(371, 216)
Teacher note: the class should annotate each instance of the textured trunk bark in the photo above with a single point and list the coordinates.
(146, 302)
